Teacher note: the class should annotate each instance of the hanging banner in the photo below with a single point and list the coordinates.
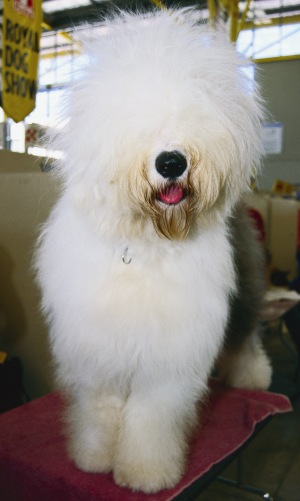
(20, 55)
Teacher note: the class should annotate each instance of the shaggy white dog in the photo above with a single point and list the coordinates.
(138, 262)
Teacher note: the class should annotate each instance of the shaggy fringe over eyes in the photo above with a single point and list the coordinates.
(203, 187)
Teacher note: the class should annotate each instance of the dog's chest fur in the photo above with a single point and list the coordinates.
(170, 300)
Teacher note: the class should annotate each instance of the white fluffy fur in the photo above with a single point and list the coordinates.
(134, 344)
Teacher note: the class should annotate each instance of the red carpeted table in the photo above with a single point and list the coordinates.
(34, 465)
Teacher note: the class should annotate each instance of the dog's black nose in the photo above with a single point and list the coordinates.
(170, 164)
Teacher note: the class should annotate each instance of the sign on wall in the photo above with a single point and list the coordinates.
(34, 135)
(20, 55)
(272, 137)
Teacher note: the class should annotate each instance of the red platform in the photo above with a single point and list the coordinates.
(34, 465)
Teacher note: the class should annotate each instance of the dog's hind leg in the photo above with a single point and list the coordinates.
(247, 365)
(93, 422)
(243, 362)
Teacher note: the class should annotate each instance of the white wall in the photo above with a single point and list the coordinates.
(280, 83)
(26, 195)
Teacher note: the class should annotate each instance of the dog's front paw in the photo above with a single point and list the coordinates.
(91, 449)
(149, 477)
(93, 430)
(93, 460)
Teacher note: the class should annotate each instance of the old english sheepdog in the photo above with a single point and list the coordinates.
(148, 265)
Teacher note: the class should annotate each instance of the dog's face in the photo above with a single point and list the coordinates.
(164, 128)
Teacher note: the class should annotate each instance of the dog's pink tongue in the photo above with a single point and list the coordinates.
(172, 195)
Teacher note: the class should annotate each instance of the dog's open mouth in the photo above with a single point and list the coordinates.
(172, 194)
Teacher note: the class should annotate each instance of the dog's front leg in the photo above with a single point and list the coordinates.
(93, 422)
(152, 446)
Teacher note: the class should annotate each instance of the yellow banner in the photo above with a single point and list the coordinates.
(20, 55)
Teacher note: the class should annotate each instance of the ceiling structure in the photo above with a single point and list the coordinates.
(62, 18)
(64, 14)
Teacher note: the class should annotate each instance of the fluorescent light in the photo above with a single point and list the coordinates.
(58, 5)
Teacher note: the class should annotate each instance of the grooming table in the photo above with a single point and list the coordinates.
(34, 465)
